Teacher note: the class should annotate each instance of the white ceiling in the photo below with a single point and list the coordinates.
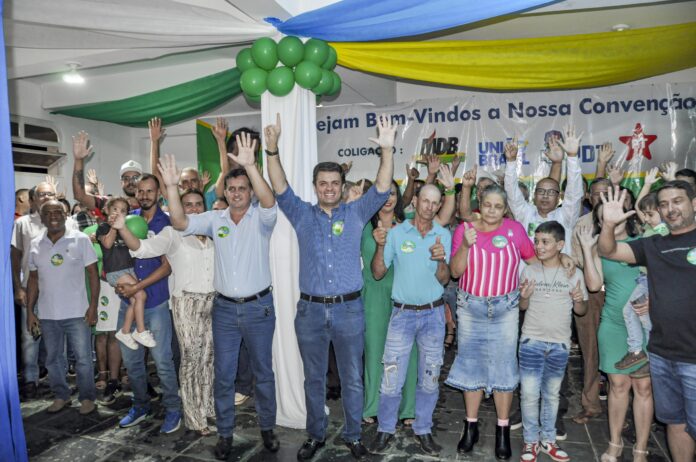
(123, 72)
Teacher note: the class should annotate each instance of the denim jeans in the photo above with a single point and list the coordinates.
(159, 322)
(542, 367)
(427, 329)
(30, 352)
(244, 383)
(255, 323)
(79, 337)
(637, 325)
(674, 392)
(316, 325)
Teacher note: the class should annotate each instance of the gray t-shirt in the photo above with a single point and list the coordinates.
(549, 315)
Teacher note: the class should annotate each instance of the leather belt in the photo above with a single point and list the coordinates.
(427, 306)
(250, 298)
(331, 298)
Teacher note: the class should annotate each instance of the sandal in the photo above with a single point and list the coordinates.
(369, 420)
(639, 455)
(100, 384)
(205, 431)
(606, 457)
(408, 423)
(583, 417)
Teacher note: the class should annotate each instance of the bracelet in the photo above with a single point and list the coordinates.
(271, 153)
(450, 192)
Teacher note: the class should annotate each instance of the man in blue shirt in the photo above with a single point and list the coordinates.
(152, 276)
(419, 249)
(243, 307)
(330, 308)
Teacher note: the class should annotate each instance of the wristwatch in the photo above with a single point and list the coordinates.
(271, 153)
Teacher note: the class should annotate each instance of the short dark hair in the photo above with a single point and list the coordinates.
(197, 192)
(648, 202)
(601, 180)
(150, 176)
(21, 191)
(113, 200)
(32, 193)
(221, 199)
(553, 228)
(232, 141)
(687, 172)
(64, 201)
(679, 184)
(234, 173)
(327, 167)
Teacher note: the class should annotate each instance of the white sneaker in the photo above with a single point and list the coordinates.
(240, 399)
(145, 338)
(126, 339)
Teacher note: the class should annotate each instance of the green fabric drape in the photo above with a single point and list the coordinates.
(173, 104)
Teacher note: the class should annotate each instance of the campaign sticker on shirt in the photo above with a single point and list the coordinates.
(408, 247)
(661, 229)
(57, 260)
(499, 241)
(691, 256)
(223, 231)
(531, 228)
(337, 228)
(103, 315)
(104, 300)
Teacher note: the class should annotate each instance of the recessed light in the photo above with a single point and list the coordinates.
(72, 77)
(620, 27)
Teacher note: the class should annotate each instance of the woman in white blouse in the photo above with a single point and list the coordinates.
(191, 288)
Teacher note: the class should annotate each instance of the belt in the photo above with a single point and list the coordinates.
(427, 306)
(250, 298)
(331, 298)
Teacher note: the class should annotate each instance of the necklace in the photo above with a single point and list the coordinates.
(548, 287)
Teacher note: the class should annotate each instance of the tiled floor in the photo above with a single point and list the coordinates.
(67, 436)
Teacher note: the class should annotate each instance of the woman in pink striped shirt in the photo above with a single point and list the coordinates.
(487, 254)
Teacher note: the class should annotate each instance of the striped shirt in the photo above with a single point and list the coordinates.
(493, 262)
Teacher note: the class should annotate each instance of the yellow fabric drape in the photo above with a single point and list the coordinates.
(564, 62)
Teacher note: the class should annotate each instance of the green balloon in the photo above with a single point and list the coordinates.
(137, 225)
(90, 229)
(253, 99)
(330, 62)
(265, 53)
(253, 81)
(325, 84)
(290, 51)
(244, 60)
(280, 81)
(307, 74)
(336, 84)
(317, 51)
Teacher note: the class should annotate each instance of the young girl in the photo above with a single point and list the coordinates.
(118, 266)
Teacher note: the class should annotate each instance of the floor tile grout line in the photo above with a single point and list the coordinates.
(657, 442)
(592, 445)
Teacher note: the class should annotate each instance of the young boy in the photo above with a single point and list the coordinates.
(549, 297)
(639, 327)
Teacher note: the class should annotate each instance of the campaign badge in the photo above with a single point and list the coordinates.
(691, 256)
(337, 228)
(531, 228)
(499, 241)
(57, 260)
(223, 231)
(408, 247)
(661, 229)
(103, 315)
(104, 300)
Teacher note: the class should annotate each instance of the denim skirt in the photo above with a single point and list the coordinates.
(487, 333)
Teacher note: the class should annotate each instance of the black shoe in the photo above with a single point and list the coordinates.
(381, 441)
(515, 419)
(502, 442)
(308, 449)
(29, 390)
(428, 445)
(357, 450)
(470, 436)
(152, 393)
(223, 448)
(561, 434)
(112, 391)
(71, 370)
(270, 440)
(43, 373)
(333, 393)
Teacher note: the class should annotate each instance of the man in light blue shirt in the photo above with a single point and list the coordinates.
(419, 249)
(243, 307)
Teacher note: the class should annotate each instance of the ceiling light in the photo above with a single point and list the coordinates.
(72, 77)
(620, 27)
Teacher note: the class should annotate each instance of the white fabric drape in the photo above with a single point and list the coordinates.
(298, 154)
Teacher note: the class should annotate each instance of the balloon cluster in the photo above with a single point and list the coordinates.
(309, 64)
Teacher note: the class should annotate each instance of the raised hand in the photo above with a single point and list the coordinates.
(157, 131)
(118, 221)
(446, 177)
(52, 181)
(433, 164)
(455, 163)
(651, 176)
(576, 293)
(606, 152)
(205, 179)
(572, 141)
(379, 234)
(510, 149)
(92, 177)
(527, 288)
(412, 173)
(346, 167)
(100, 188)
(470, 237)
(246, 150)
(586, 236)
(220, 130)
(356, 191)
(387, 133)
(437, 250)
(568, 265)
(170, 173)
(613, 211)
(81, 145)
(271, 134)
(615, 174)
(554, 152)
(469, 177)
(669, 171)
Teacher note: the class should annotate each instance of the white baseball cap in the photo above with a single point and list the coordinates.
(131, 166)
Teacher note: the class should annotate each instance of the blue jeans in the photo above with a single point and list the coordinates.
(79, 336)
(30, 352)
(316, 325)
(159, 322)
(542, 367)
(255, 323)
(637, 325)
(674, 392)
(427, 328)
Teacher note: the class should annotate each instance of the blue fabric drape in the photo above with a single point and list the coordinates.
(12, 443)
(367, 20)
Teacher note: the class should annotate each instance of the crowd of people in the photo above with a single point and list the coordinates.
(388, 278)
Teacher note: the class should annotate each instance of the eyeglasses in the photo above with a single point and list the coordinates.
(130, 179)
(546, 192)
(46, 194)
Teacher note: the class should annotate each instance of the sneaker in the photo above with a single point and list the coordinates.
(58, 405)
(603, 391)
(112, 391)
(144, 338)
(529, 452)
(172, 422)
(135, 416)
(554, 451)
(43, 373)
(631, 359)
(515, 419)
(240, 399)
(561, 434)
(152, 393)
(29, 390)
(126, 339)
(71, 370)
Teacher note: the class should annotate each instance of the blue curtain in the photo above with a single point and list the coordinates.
(12, 444)
(366, 20)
